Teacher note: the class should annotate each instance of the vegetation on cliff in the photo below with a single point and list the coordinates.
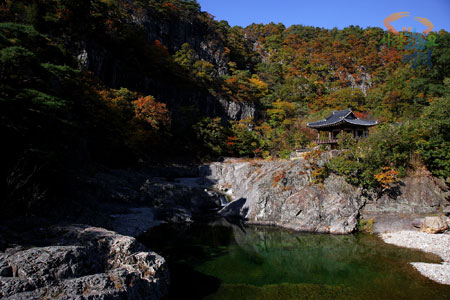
(60, 110)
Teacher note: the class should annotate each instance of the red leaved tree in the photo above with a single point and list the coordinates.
(152, 112)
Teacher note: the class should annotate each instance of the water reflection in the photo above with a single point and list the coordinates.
(228, 262)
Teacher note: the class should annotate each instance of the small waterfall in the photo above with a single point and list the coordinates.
(223, 200)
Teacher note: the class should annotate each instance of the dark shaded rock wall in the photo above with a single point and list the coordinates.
(172, 33)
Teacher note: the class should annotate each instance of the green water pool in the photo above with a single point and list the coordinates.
(230, 262)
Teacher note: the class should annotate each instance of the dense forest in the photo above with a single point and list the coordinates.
(122, 83)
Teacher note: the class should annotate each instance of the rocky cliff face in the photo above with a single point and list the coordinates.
(281, 193)
(277, 193)
(422, 194)
(172, 32)
(405, 203)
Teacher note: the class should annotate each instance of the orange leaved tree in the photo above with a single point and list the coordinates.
(153, 113)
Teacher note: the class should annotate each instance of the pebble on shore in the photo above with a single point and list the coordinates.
(438, 273)
(438, 244)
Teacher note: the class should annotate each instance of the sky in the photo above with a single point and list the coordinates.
(330, 14)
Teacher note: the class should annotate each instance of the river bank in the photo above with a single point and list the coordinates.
(129, 202)
(438, 244)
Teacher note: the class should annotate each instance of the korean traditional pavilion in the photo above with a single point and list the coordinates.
(341, 121)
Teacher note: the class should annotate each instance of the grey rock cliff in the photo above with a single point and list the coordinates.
(412, 195)
(281, 193)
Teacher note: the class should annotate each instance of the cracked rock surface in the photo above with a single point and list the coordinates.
(281, 193)
(83, 263)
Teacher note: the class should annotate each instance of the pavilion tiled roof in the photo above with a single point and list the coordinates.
(340, 117)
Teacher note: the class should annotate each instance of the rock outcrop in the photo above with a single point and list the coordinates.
(238, 110)
(412, 195)
(280, 193)
(434, 224)
(189, 195)
(83, 263)
(404, 205)
(134, 221)
(263, 192)
(174, 195)
(131, 202)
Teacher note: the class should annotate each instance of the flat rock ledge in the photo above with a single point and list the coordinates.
(438, 244)
(83, 263)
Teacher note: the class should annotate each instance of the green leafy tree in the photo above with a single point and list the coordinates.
(434, 137)
(243, 140)
(211, 134)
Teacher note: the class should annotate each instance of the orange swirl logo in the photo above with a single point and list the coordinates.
(399, 15)
(410, 39)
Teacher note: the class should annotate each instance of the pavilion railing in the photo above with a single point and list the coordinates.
(326, 141)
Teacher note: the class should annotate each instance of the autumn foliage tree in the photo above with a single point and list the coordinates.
(289, 75)
(386, 177)
(151, 112)
(242, 86)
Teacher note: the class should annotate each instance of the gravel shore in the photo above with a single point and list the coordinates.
(438, 244)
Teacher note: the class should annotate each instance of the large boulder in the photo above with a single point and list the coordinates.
(329, 208)
(86, 263)
(417, 223)
(281, 193)
(434, 224)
